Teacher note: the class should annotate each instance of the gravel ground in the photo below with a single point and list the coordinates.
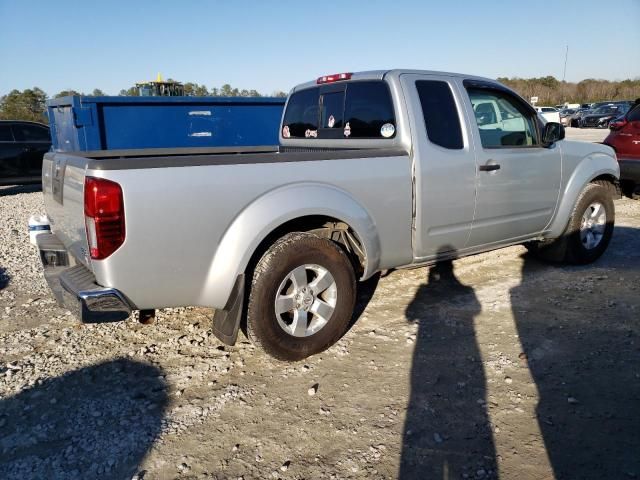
(501, 367)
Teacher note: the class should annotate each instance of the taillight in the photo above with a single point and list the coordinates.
(618, 124)
(103, 216)
(336, 77)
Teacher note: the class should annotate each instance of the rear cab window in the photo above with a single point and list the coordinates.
(344, 110)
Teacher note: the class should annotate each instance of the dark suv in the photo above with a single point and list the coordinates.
(22, 146)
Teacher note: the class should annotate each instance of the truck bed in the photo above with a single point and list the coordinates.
(180, 203)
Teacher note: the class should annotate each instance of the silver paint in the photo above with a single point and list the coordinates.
(191, 230)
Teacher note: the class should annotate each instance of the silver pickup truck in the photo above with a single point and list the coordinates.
(374, 171)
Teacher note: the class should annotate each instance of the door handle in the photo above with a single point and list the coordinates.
(489, 167)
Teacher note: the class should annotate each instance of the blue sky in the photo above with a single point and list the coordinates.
(273, 45)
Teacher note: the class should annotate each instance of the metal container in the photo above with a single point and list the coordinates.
(80, 123)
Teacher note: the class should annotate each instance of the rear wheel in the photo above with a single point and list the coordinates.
(588, 232)
(302, 297)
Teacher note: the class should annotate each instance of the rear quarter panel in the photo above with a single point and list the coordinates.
(177, 217)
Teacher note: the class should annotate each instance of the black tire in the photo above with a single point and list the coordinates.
(569, 248)
(291, 251)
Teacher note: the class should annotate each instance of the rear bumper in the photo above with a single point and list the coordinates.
(629, 170)
(75, 288)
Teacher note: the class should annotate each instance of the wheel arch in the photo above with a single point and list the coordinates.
(297, 207)
(594, 168)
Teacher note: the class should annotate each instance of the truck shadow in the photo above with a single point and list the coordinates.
(16, 189)
(447, 431)
(95, 422)
(580, 340)
(365, 293)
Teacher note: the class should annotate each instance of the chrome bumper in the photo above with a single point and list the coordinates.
(75, 287)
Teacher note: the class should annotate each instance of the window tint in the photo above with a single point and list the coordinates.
(30, 133)
(634, 115)
(503, 121)
(440, 114)
(361, 110)
(332, 110)
(367, 108)
(5, 133)
(302, 113)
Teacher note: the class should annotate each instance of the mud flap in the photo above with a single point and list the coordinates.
(553, 250)
(226, 322)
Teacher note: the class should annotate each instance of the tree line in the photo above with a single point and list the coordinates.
(30, 104)
(551, 91)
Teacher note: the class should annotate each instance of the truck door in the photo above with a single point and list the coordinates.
(518, 178)
(444, 165)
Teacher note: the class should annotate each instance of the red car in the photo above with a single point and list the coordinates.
(625, 140)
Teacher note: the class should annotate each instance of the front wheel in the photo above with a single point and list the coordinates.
(301, 298)
(589, 230)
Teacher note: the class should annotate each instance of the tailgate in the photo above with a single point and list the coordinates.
(63, 190)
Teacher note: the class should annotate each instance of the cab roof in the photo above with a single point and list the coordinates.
(381, 74)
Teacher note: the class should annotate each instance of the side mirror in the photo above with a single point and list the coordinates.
(552, 132)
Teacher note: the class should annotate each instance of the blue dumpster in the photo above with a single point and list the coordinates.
(80, 123)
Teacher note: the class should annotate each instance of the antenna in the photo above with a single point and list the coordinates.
(566, 55)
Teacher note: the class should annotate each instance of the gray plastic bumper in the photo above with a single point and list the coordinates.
(75, 287)
(629, 169)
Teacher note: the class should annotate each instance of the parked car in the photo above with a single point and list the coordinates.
(566, 114)
(22, 146)
(625, 140)
(550, 114)
(602, 116)
(375, 170)
(574, 120)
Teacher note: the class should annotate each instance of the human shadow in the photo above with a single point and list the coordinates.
(447, 432)
(95, 422)
(580, 333)
(4, 278)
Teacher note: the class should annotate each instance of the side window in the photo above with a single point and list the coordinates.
(368, 111)
(30, 133)
(302, 114)
(5, 133)
(440, 114)
(502, 120)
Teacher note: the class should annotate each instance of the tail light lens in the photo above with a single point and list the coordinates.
(618, 124)
(104, 216)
